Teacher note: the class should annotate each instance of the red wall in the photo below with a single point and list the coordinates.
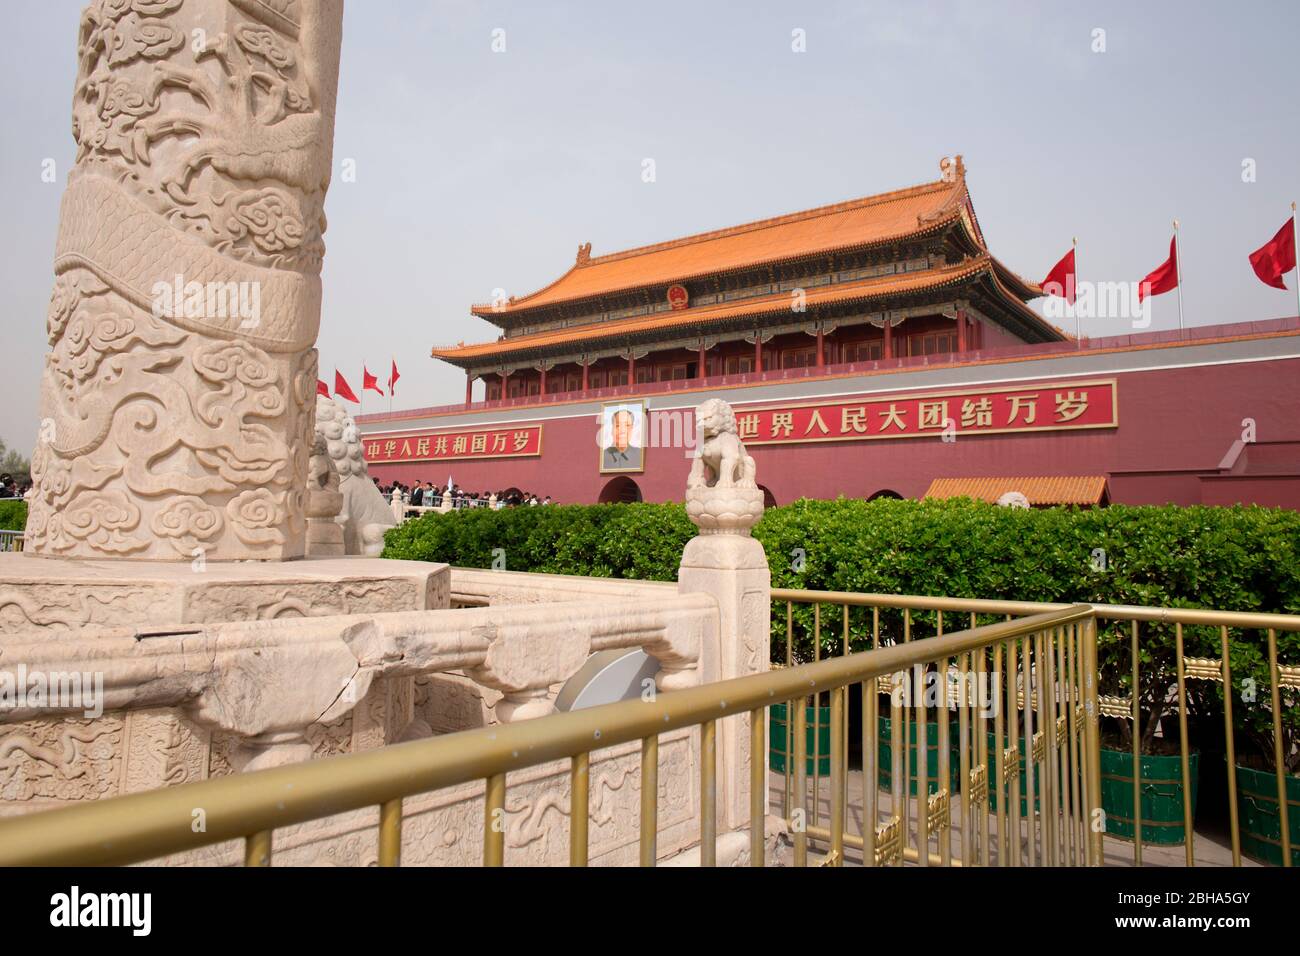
(1173, 424)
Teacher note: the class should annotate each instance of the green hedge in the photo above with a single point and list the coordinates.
(13, 514)
(1232, 559)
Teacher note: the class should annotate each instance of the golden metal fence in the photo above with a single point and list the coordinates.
(1058, 647)
(993, 767)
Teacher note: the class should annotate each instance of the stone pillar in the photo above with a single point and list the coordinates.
(724, 501)
(178, 396)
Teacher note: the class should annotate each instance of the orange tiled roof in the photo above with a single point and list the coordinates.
(1040, 490)
(863, 289)
(858, 222)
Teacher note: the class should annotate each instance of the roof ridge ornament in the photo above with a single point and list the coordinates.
(952, 169)
(584, 254)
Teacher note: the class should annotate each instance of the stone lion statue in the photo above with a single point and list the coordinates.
(723, 461)
(365, 515)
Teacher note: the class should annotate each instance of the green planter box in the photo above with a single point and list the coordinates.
(1261, 824)
(1162, 795)
(777, 737)
(885, 755)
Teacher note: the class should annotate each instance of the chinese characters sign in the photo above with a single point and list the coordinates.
(1021, 408)
(523, 441)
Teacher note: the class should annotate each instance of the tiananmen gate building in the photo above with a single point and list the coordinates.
(871, 347)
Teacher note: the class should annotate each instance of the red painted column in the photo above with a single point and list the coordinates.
(505, 381)
(703, 370)
(821, 349)
(758, 353)
(469, 387)
(961, 331)
(889, 341)
(585, 367)
(631, 369)
(542, 387)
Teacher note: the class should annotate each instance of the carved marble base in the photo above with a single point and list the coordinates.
(53, 761)
(59, 594)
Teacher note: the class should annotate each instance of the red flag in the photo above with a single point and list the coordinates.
(1276, 257)
(322, 388)
(1060, 281)
(1164, 277)
(343, 390)
(392, 378)
(368, 381)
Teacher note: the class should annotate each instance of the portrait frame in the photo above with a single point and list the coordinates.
(638, 437)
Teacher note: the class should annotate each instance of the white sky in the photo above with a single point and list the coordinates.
(478, 170)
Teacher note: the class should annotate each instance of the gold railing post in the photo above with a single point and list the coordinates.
(799, 814)
(1031, 771)
(390, 833)
(789, 718)
(817, 722)
(1093, 739)
(1137, 751)
(981, 752)
(838, 768)
(1046, 808)
(945, 767)
(494, 821)
(1013, 748)
(257, 849)
(964, 741)
(999, 760)
(909, 719)
(871, 754)
(649, 800)
(1050, 690)
(1078, 824)
(1182, 745)
(922, 766)
(1278, 764)
(1233, 821)
(898, 783)
(709, 793)
(579, 807)
(757, 785)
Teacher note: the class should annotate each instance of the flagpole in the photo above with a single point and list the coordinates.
(1178, 271)
(1295, 240)
(1078, 339)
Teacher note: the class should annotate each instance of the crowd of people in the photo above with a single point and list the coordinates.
(11, 488)
(426, 494)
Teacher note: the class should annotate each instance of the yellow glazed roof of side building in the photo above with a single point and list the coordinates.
(1040, 489)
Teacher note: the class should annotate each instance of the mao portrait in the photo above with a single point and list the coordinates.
(622, 441)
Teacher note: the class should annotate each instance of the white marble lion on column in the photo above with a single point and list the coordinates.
(365, 516)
